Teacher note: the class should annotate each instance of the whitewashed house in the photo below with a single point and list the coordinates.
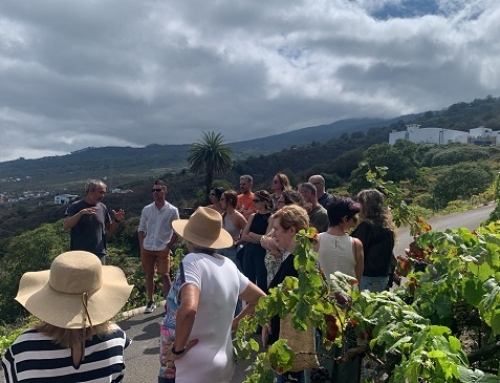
(64, 199)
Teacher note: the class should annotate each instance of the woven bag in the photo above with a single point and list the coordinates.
(302, 344)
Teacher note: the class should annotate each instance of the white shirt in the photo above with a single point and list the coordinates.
(220, 283)
(157, 224)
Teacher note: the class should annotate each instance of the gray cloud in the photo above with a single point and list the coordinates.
(121, 72)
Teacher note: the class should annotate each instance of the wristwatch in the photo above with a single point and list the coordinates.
(175, 352)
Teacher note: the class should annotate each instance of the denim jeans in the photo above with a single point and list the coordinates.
(374, 284)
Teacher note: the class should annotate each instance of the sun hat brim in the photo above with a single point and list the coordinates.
(223, 241)
(66, 310)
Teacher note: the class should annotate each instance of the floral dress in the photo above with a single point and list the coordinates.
(167, 329)
(272, 262)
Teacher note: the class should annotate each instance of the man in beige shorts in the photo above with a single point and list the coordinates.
(156, 238)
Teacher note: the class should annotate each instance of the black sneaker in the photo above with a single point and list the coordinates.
(150, 307)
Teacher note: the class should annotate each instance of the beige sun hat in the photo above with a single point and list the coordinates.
(77, 292)
(204, 228)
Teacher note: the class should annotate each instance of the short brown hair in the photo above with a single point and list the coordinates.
(231, 198)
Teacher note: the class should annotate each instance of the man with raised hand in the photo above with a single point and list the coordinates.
(89, 221)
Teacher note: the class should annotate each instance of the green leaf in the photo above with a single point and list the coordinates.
(495, 322)
(472, 289)
(280, 355)
(467, 375)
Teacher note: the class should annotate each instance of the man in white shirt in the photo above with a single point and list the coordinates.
(156, 238)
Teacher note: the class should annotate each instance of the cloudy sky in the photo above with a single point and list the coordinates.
(75, 74)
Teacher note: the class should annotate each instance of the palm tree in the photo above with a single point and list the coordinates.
(210, 155)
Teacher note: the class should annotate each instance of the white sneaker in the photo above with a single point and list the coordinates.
(150, 307)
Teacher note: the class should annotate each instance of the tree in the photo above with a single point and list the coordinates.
(462, 181)
(30, 251)
(210, 155)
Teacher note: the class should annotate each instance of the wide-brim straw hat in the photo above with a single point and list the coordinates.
(204, 228)
(77, 292)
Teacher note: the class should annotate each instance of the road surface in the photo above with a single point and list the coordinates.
(142, 355)
(470, 219)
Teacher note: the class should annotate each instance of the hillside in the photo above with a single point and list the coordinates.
(124, 165)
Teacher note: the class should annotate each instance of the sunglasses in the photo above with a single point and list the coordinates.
(255, 200)
(212, 194)
(155, 190)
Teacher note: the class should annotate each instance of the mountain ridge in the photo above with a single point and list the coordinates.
(126, 163)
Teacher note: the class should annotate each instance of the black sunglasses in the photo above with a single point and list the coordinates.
(155, 190)
(255, 200)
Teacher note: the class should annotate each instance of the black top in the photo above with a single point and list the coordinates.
(325, 199)
(286, 270)
(378, 244)
(89, 234)
(259, 223)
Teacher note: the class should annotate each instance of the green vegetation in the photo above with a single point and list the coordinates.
(211, 156)
(443, 325)
(425, 179)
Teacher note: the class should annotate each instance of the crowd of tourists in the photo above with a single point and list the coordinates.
(239, 247)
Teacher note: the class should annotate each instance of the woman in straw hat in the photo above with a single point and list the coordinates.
(196, 341)
(75, 340)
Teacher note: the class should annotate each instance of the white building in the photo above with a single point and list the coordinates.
(414, 133)
(64, 199)
(484, 136)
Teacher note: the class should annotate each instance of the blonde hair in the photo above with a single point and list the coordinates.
(292, 216)
(67, 338)
(284, 181)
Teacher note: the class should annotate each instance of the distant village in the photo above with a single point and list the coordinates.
(58, 199)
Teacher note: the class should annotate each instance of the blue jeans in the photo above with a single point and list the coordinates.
(291, 377)
(374, 284)
(231, 254)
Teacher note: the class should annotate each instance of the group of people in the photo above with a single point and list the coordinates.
(238, 248)
(263, 246)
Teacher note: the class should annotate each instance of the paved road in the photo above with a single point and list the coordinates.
(470, 219)
(142, 355)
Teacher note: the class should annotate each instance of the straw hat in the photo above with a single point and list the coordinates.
(77, 291)
(204, 228)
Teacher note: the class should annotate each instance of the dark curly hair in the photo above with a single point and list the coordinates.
(341, 207)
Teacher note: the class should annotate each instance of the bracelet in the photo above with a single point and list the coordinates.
(116, 220)
(175, 352)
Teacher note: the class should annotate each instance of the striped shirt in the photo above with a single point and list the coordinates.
(34, 357)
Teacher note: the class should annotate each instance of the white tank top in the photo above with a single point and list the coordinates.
(336, 254)
(229, 226)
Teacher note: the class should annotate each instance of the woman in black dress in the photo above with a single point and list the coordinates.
(253, 257)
